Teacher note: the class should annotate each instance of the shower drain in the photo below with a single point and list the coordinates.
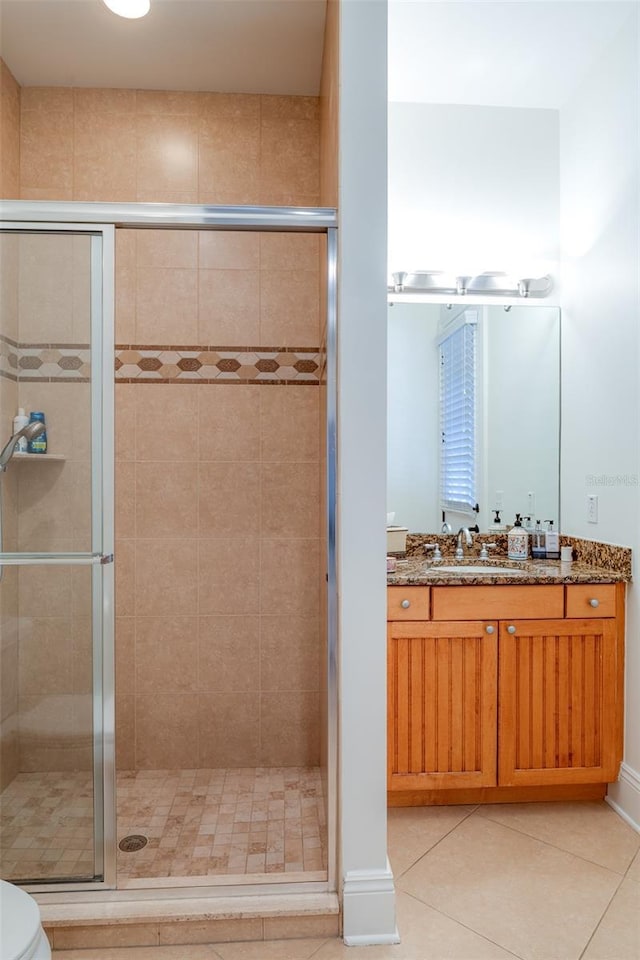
(132, 843)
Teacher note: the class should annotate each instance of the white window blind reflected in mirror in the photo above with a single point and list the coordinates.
(458, 417)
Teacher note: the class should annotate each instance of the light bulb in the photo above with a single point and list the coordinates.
(131, 9)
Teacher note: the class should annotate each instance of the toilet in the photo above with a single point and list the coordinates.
(21, 935)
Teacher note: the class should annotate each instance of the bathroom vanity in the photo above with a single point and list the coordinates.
(504, 687)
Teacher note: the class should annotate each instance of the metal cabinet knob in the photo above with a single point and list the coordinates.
(490, 629)
(594, 602)
(511, 628)
(405, 604)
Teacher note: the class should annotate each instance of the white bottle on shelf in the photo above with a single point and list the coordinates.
(20, 421)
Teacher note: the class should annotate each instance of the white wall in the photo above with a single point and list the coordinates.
(412, 428)
(368, 893)
(600, 350)
(469, 186)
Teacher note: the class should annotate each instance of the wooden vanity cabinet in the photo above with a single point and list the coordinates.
(497, 708)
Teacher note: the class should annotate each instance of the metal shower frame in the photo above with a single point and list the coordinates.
(103, 219)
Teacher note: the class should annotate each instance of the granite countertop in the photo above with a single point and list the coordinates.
(419, 572)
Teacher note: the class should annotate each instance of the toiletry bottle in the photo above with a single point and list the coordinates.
(39, 444)
(538, 550)
(518, 541)
(20, 421)
(552, 542)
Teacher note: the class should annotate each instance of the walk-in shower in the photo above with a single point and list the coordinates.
(185, 358)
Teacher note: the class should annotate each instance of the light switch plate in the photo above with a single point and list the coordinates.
(592, 508)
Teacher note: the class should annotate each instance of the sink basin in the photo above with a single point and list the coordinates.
(477, 568)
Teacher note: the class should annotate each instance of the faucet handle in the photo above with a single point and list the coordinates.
(484, 555)
(437, 555)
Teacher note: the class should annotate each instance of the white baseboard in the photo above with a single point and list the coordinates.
(369, 908)
(624, 796)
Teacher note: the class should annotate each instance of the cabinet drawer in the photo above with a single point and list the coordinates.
(497, 602)
(416, 597)
(591, 600)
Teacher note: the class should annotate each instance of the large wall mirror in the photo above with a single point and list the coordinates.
(474, 414)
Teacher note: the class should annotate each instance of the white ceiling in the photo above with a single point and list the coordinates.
(515, 53)
(239, 46)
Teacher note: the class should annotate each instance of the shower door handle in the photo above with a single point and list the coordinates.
(46, 559)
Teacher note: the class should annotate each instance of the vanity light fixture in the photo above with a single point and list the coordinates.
(495, 284)
(131, 9)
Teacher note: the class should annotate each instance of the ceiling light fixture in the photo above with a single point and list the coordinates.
(484, 284)
(131, 9)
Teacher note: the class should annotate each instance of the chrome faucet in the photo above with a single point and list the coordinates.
(468, 539)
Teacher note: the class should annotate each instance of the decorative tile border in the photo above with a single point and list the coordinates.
(68, 362)
(204, 364)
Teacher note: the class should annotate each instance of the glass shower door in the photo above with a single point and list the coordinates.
(57, 810)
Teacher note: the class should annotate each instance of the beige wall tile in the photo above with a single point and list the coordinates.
(228, 158)
(10, 97)
(229, 726)
(98, 138)
(48, 100)
(67, 407)
(290, 500)
(45, 656)
(229, 251)
(234, 106)
(229, 499)
(166, 731)
(166, 655)
(9, 680)
(125, 499)
(125, 640)
(210, 931)
(289, 158)
(81, 306)
(228, 422)
(46, 152)
(289, 578)
(166, 583)
(296, 642)
(9, 274)
(289, 423)
(229, 307)
(81, 591)
(289, 308)
(125, 732)
(290, 251)
(103, 102)
(82, 654)
(125, 420)
(166, 422)
(167, 248)
(229, 654)
(125, 574)
(167, 153)
(289, 729)
(46, 288)
(228, 577)
(54, 503)
(167, 306)
(167, 103)
(125, 307)
(289, 108)
(166, 499)
(44, 591)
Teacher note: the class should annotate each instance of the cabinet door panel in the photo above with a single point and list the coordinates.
(442, 703)
(557, 700)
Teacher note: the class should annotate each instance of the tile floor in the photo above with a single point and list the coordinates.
(198, 823)
(509, 882)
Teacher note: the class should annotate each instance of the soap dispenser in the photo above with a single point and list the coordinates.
(552, 542)
(538, 550)
(496, 524)
(517, 541)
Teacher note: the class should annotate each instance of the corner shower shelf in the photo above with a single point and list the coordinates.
(38, 456)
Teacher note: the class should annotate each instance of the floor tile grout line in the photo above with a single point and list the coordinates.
(321, 947)
(437, 843)
(602, 916)
(554, 846)
(460, 923)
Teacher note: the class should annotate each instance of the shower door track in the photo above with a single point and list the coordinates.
(171, 216)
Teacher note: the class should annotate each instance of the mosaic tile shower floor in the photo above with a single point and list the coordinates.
(199, 823)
